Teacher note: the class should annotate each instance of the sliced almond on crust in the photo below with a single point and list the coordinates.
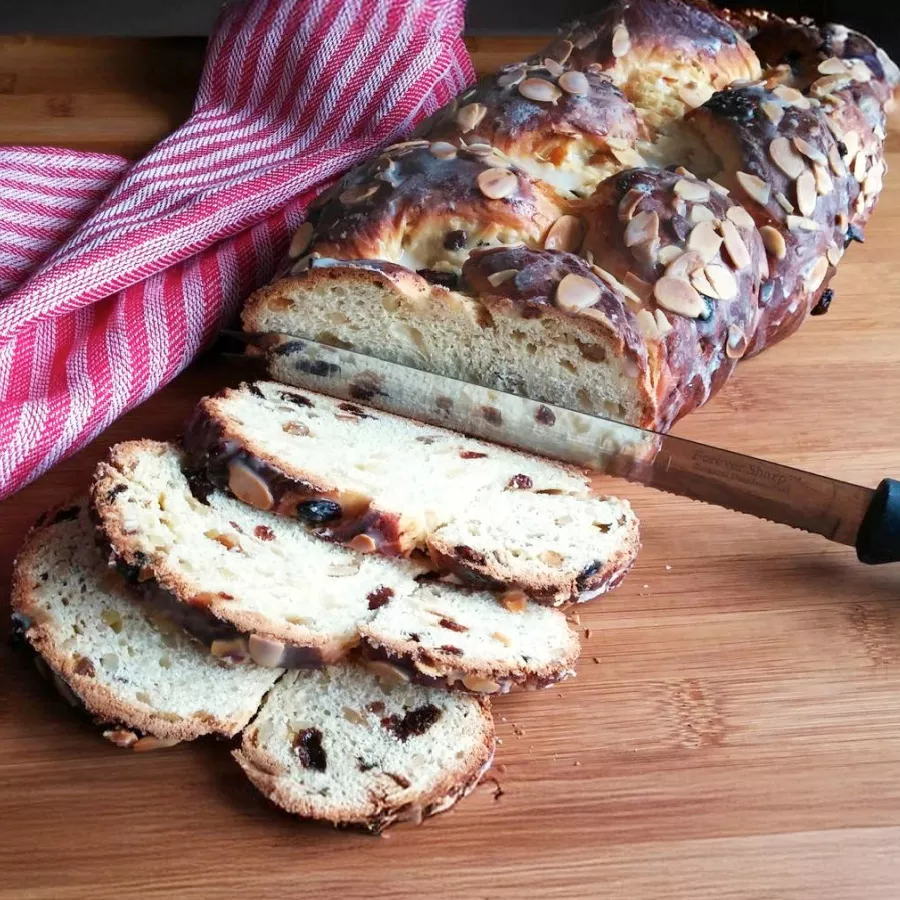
(773, 240)
(621, 40)
(669, 254)
(817, 274)
(824, 184)
(679, 297)
(469, 117)
(574, 83)
(801, 223)
(723, 282)
(704, 240)
(496, 184)
(575, 292)
(735, 245)
(736, 343)
(807, 195)
(540, 90)
(740, 217)
(786, 157)
(640, 289)
(773, 112)
(754, 187)
(565, 234)
(694, 191)
(642, 227)
(807, 149)
(495, 279)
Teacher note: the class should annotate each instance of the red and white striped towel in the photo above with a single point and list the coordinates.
(113, 276)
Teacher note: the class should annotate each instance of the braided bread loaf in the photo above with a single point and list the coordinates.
(614, 223)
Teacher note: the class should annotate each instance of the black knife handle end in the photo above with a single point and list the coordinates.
(878, 540)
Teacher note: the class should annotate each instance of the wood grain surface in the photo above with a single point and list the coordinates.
(734, 730)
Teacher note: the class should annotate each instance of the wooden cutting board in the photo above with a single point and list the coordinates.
(734, 730)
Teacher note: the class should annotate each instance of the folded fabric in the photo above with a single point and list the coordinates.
(113, 276)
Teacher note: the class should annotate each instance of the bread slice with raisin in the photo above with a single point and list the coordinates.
(490, 515)
(338, 746)
(249, 582)
(134, 672)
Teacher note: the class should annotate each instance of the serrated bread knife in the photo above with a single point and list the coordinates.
(859, 517)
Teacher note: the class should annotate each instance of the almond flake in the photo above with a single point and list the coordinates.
(806, 193)
(786, 157)
(643, 227)
(646, 324)
(700, 283)
(735, 245)
(799, 223)
(645, 252)
(668, 254)
(718, 188)
(773, 240)
(621, 42)
(859, 71)
(628, 204)
(772, 110)
(442, 150)
(694, 191)
(783, 202)
(495, 279)
(817, 275)
(511, 77)
(679, 297)
(575, 292)
(833, 66)
(740, 217)
(704, 240)
(754, 187)
(684, 265)
(565, 234)
(662, 322)
(723, 282)
(736, 343)
(824, 184)
(828, 84)
(628, 157)
(553, 67)
(834, 254)
(575, 83)
(791, 96)
(859, 166)
(561, 51)
(539, 90)
(469, 117)
(701, 214)
(496, 184)
(851, 143)
(834, 160)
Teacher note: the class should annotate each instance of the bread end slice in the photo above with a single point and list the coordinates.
(337, 746)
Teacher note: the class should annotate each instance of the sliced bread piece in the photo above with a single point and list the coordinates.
(133, 671)
(337, 746)
(249, 581)
(488, 514)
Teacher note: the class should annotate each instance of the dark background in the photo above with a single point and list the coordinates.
(878, 18)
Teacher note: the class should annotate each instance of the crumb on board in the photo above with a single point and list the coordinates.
(587, 633)
(596, 660)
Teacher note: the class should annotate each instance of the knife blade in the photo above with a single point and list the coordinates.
(850, 514)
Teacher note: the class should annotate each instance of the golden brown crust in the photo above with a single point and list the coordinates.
(571, 128)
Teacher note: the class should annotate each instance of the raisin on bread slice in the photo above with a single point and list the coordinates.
(248, 581)
(490, 515)
(138, 675)
(337, 746)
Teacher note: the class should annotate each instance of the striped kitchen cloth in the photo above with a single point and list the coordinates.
(113, 275)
